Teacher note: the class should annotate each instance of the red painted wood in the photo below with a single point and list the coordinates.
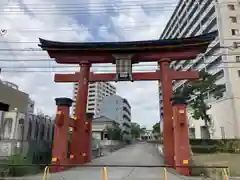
(66, 57)
(78, 135)
(181, 139)
(167, 92)
(60, 141)
(137, 76)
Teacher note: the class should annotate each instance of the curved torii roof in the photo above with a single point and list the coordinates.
(180, 44)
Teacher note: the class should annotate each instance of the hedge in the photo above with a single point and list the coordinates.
(215, 145)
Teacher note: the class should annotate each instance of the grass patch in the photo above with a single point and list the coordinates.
(231, 160)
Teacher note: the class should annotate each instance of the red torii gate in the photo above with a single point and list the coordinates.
(124, 54)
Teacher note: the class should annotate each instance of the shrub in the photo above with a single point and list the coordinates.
(21, 166)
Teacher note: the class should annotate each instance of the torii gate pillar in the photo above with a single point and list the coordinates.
(79, 135)
(166, 84)
(181, 139)
(59, 153)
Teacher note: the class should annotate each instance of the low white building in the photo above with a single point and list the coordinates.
(18, 133)
(100, 126)
(99, 130)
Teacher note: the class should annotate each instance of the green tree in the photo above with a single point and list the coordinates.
(197, 92)
(156, 128)
(114, 133)
(20, 166)
(136, 130)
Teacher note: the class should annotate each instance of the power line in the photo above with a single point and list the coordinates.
(52, 60)
(47, 6)
(91, 3)
(101, 66)
(60, 49)
(103, 29)
(94, 9)
(85, 11)
(99, 71)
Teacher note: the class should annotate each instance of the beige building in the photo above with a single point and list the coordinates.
(195, 17)
(96, 92)
(11, 95)
(100, 125)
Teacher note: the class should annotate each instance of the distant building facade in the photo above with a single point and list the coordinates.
(118, 109)
(96, 92)
(25, 135)
(11, 95)
(100, 126)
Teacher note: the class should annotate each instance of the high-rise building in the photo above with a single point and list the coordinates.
(96, 92)
(222, 58)
(118, 109)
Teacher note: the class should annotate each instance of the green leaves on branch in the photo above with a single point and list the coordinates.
(115, 133)
(156, 128)
(198, 91)
(136, 130)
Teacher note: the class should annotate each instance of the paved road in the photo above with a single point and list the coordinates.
(137, 154)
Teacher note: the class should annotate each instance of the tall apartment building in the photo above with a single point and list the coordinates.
(118, 109)
(96, 92)
(196, 17)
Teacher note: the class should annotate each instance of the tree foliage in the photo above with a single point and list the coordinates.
(196, 93)
(115, 133)
(156, 128)
(136, 130)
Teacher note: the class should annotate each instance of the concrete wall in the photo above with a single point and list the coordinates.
(14, 97)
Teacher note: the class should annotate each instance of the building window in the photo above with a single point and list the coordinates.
(237, 58)
(235, 32)
(238, 73)
(233, 19)
(222, 132)
(231, 7)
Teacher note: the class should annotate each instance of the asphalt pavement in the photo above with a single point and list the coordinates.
(136, 154)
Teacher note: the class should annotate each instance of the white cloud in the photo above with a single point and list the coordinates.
(132, 23)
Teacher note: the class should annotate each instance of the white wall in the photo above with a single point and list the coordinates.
(11, 132)
(222, 116)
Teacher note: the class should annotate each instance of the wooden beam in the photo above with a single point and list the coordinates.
(96, 77)
(137, 76)
(184, 75)
(63, 57)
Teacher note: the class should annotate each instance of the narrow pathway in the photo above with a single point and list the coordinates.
(137, 154)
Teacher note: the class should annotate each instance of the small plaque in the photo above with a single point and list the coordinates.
(71, 156)
(185, 161)
(54, 159)
(181, 111)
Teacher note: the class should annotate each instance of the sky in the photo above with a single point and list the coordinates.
(22, 22)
